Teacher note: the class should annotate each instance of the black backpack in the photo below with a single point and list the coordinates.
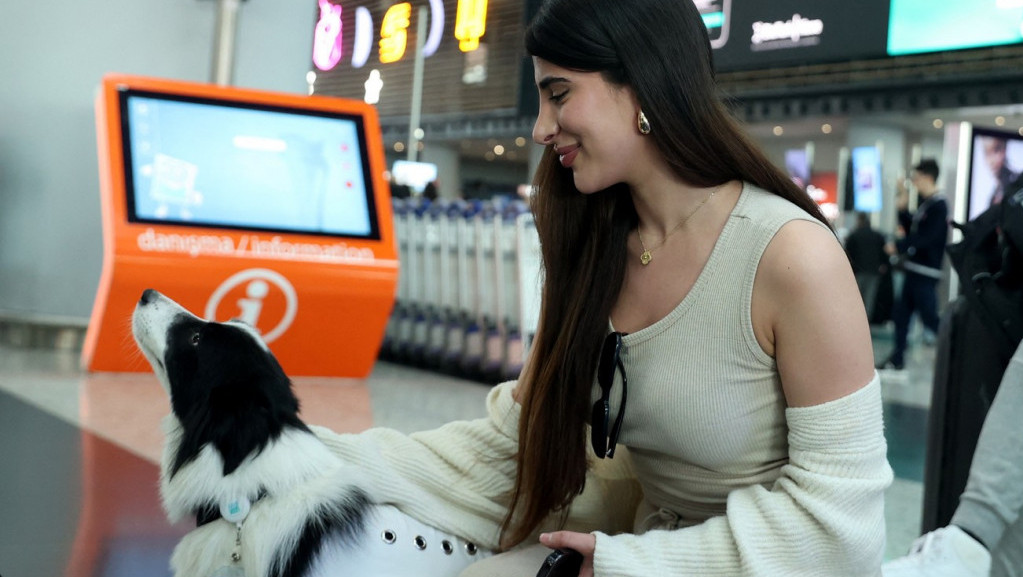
(978, 336)
(989, 263)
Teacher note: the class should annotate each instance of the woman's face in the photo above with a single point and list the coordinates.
(591, 123)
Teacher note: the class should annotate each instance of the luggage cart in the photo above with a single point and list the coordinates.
(529, 281)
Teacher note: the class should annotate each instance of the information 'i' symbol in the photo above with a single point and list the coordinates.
(252, 305)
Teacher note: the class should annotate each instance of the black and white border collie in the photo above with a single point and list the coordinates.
(269, 498)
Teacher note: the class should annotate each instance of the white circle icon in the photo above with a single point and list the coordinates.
(259, 281)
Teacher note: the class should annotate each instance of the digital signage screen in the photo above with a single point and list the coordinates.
(215, 163)
(755, 35)
(823, 189)
(797, 164)
(917, 26)
(415, 175)
(751, 35)
(866, 179)
(996, 162)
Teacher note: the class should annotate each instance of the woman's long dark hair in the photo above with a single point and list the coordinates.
(660, 48)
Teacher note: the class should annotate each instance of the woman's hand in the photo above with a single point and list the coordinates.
(584, 543)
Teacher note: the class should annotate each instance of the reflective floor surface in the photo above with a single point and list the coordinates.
(78, 490)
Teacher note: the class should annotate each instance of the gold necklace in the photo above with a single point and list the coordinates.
(646, 257)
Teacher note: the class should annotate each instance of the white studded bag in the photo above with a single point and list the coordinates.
(396, 545)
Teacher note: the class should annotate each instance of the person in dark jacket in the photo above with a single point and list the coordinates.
(865, 248)
(920, 253)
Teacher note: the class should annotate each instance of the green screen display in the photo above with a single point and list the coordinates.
(917, 26)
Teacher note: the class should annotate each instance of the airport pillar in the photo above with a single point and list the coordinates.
(449, 172)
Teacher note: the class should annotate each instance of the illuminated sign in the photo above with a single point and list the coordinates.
(436, 28)
(796, 31)
(374, 84)
(394, 32)
(363, 37)
(378, 35)
(327, 37)
(470, 23)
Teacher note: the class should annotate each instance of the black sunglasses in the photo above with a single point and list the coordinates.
(610, 359)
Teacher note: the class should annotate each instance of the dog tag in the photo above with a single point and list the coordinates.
(236, 510)
(229, 571)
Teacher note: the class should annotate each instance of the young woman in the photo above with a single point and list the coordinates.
(688, 275)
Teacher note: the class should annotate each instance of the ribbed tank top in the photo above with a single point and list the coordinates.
(705, 411)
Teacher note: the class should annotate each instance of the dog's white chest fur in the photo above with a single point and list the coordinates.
(288, 483)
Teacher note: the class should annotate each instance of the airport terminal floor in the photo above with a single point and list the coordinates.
(78, 493)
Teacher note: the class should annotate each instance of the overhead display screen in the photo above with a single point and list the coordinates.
(917, 26)
(752, 34)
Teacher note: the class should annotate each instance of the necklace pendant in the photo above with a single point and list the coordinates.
(646, 257)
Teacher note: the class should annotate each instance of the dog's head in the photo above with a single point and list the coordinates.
(225, 386)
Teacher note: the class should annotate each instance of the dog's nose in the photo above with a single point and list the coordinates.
(148, 296)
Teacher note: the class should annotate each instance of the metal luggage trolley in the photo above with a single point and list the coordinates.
(468, 296)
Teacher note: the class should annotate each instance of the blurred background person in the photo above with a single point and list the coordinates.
(865, 248)
(919, 253)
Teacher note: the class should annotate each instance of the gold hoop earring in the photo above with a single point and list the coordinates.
(643, 124)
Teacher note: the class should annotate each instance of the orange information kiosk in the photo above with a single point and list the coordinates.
(238, 203)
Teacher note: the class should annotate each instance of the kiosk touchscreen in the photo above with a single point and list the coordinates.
(237, 203)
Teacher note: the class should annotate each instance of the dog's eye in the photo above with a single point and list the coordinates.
(195, 339)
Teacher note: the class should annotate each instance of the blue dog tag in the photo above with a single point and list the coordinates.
(235, 511)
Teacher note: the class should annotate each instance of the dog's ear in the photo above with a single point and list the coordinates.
(233, 359)
(250, 400)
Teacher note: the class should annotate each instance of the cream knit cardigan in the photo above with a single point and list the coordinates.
(818, 512)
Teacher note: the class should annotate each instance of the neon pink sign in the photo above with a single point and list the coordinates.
(327, 36)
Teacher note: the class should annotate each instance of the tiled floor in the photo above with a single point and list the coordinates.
(78, 492)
